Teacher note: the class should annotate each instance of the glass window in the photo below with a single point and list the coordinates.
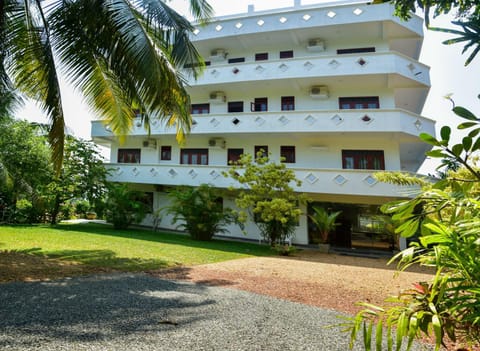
(235, 106)
(128, 156)
(234, 155)
(199, 109)
(194, 156)
(355, 50)
(261, 56)
(287, 153)
(236, 60)
(166, 153)
(360, 102)
(363, 159)
(263, 149)
(259, 105)
(288, 103)
(286, 54)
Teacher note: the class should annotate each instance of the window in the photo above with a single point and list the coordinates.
(166, 153)
(261, 56)
(200, 109)
(288, 103)
(361, 102)
(287, 153)
(259, 105)
(234, 155)
(355, 50)
(236, 60)
(128, 156)
(261, 148)
(194, 157)
(363, 159)
(235, 106)
(286, 54)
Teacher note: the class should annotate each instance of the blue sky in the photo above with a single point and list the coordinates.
(447, 73)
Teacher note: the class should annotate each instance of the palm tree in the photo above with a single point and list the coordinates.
(324, 221)
(123, 55)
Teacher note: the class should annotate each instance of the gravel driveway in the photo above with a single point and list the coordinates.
(140, 312)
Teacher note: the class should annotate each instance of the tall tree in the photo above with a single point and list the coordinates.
(123, 55)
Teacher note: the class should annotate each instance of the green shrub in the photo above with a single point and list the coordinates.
(124, 206)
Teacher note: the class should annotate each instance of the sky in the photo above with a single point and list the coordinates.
(448, 75)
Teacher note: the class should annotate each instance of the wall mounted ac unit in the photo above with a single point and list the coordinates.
(319, 92)
(316, 44)
(150, 143)
(217, 97)
(217, 142)
(218, 55)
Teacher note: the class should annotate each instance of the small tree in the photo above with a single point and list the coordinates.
(124, 206)
(324, 221)
(269, 198)
(200, 212)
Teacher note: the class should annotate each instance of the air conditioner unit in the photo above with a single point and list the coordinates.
(316, 44)
(217, 97)
(319, 92)
(217, 142)
(218, 55)
(151, 143)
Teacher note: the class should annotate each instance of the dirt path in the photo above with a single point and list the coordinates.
(323, 280)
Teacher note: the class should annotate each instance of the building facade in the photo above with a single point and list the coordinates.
(334, 90)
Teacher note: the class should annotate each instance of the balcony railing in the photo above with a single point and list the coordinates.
(317, 66)
(327, 181)
(369, 120)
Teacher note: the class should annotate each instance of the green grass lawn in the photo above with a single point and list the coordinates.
(101, 246)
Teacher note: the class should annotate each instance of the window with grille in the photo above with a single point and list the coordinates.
(288, 103)
(287, 153)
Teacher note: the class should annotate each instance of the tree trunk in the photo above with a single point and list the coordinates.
(55, 210)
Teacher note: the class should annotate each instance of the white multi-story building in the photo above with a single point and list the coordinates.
(336, 89)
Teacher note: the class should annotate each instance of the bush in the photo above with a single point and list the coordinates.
(200, 211)
(82, 207)
(124, 206)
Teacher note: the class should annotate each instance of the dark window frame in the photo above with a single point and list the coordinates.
(194, 152)
(233, 155)
(358, 102)
(200, 109)
(363, 159)
(355, 50)
(259, 105)
(286, 54)
(287, 153)
(165, 153)
(236, 60)
(235, 106)
(130, 155)
(288, 103)
(258, 148)
(261, 56)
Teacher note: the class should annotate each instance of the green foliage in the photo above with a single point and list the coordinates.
(124, 206)
(83, 176)
(324, 221)
(122, 55)
(200, 211)
(269, 197)
(446, 216)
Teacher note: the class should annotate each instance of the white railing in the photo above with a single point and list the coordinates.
(325, 181)
(370, 120)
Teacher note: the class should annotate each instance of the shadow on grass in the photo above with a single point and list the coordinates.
(100, 258)
(169, 238)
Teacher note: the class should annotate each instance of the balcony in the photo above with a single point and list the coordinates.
(401, 70)
(310, 18)
(327, 121)
(325, 181)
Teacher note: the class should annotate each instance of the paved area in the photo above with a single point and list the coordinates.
(140, 312)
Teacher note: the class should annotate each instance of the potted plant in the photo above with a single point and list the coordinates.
(325, 223)
(90, 215)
